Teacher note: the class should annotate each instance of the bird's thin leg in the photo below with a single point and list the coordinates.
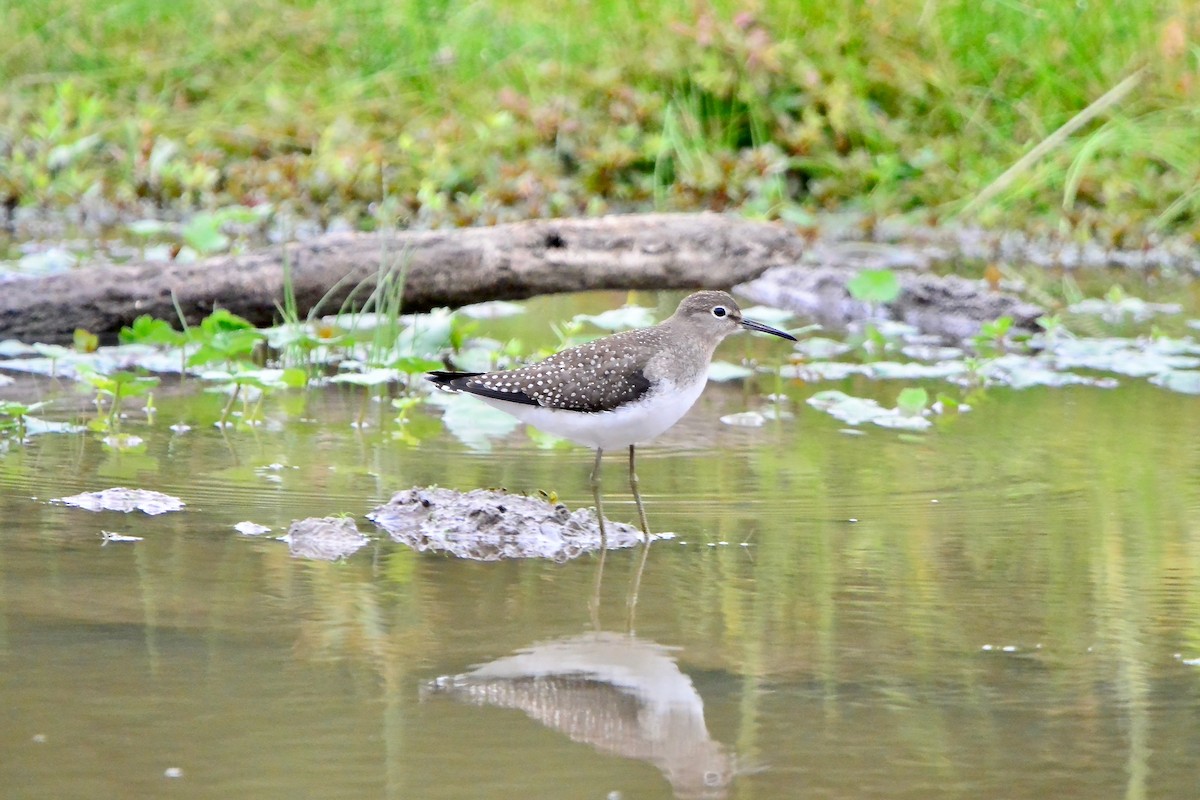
(599, 504)
(636, 583)
(637, 497)
(594, 606)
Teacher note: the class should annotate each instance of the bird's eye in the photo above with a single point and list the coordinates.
(719, 311)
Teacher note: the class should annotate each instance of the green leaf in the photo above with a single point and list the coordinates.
(242, 215)
(414, 364)
(997, 328)
(226, 345)
(224, 320)
(11, 408)
(874, 286)
(147, 228)
(130, 384)
(85, 341)
(294, 378)
(912, 400)
(148, 330)
(203, 234)
(949, 404)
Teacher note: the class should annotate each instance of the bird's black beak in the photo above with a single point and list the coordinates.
(750, 324)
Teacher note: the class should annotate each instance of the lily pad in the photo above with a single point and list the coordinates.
(1120, 309)
(492, 309)
(822, 371)
(745, 419)
(1185, 381)
(473, 422)
(820, 348)
(1023, 372)
(931, 352)
(914, 370)
(371, 377)
(1137, 359)
(724, 371)
(619, 319)
(861, 410)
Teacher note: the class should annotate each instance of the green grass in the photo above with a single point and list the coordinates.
(450, 113)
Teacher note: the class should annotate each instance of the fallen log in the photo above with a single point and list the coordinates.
(440, 268)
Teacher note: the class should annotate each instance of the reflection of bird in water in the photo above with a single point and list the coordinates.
(623, 696)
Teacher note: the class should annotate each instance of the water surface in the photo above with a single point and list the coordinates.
(1006, 607)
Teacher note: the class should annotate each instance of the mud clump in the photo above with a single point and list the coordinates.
(486, 525)
(324, 538)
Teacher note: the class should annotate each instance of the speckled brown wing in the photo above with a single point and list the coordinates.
(598, 376)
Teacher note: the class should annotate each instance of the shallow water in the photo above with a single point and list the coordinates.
(1008, 606)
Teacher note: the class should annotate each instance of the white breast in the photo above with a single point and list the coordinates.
(634, 423)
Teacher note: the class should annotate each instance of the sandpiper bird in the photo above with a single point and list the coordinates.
(619, 390)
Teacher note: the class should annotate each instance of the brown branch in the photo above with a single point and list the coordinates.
(442, 268)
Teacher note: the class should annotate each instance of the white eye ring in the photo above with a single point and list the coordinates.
(719, 311)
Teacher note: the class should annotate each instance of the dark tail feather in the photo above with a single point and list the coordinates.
(447, 379)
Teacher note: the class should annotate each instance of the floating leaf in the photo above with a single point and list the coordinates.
(371, 377)
(1180, 380)
(912, 400)
(472, 422)
(902, 422)
(722, 371)
(820, 348)
(1117, 308)
(147, 228)
(493, 309)
(912, 370)
(265, 378)
(769, 315)
(822, 371)
(745, 419)
(47, 262)
(619, 319)
(35, 426)
(425, 335)
(874, 286)
(859, 410)
(851, 410)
